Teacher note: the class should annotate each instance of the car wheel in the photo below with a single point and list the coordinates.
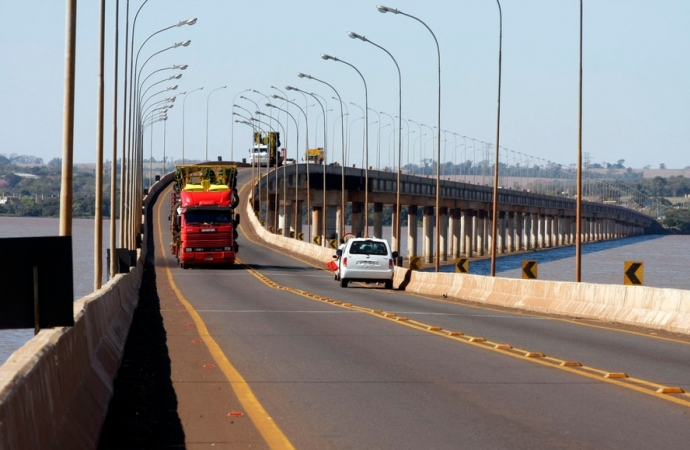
(183, 266)
(343, 282)
(389, 284)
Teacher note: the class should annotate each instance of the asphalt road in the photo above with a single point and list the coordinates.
(329, 375)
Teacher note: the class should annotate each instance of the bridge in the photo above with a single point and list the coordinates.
(273, 354)
(526, 220)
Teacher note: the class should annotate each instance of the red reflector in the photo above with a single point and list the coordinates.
(390, 263)
(344, 262)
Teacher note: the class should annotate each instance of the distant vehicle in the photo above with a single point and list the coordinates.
(265, 150)
(365, 259)
(315, 155)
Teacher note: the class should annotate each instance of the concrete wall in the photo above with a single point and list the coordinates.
(55, 390)
(656, 308)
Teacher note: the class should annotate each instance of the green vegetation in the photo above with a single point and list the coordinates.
(34, 191)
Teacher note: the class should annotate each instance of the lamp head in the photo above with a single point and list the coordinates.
(191, 21)
(180, 66)
(385, 9)
(171, 88)
(290, 88)
(354, 35)
(176, 77)
(327, 57)
(186, 43)
(303, 75)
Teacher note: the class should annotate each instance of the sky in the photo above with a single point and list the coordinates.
(635, 78)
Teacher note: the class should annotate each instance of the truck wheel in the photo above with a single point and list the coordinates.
(389, 284)
(343, 282)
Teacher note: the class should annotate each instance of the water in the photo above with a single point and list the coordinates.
(82, 260)
(602, 262)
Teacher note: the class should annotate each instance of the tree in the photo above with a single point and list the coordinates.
(12, 179)
(677, 220)
(662, 166)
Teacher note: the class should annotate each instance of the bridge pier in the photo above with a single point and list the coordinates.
(443, 234)
(357, 219)
(316, 222)
(412, 230)
(395, 239)
(428, 232)
(284, 218)
(271, 222)
(480, 232)
(519, 217)
(467, 218)
(456, 236)
(378, 220)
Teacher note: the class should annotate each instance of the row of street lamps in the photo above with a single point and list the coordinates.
(137, 117)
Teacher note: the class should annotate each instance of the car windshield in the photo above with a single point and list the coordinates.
(368, 248)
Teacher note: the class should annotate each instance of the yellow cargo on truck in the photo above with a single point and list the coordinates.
(315, 155)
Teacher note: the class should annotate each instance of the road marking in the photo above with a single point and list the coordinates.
(268, 429)
(668, 393)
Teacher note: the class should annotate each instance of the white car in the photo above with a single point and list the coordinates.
(365, 259)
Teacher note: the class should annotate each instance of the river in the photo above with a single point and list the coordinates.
(82, 260)
(602, 262)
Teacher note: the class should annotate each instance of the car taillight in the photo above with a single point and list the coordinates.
(390, 263)
(344, 262)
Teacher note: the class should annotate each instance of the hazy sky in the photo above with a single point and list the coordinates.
(636, 75)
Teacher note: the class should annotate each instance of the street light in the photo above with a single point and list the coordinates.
(386, 9)
(342, 149)
(184, 100)
(208, 97)
(366, 140)
(270, 105)
(396, 235)
(494, 208)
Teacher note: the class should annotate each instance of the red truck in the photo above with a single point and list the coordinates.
(203, 222)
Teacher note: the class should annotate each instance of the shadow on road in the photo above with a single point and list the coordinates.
(143, 410)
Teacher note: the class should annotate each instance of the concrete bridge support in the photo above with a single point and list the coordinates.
(456, 236)
(378, 220)
(271, 219)
(285, 221)
(317, 223)
(467, 219)
(357, 219)
(412, 230)
(428, 231)
(480, 233)
(501, 233)
(519, 217)
(443, 234)
(395, 239)
(298, 221)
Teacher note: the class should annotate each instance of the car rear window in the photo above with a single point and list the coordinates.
(368, 248)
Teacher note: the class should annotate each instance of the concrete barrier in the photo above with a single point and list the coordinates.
(655, 308)
(55, 390)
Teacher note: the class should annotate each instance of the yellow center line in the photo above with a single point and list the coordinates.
(268, 429)
(636, 384)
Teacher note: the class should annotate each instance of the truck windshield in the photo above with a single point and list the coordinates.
(208, 217)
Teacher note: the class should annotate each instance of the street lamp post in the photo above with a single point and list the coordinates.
(342, 148)
(323, 163)
(184, 100)
(396, 234)
(385, 9)
(232, 128)
(366, 140)
(270, 105)
(208, 98)
(494, 209)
